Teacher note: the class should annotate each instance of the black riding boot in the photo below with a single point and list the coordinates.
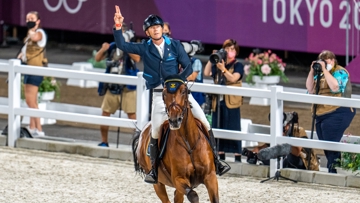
(220, 168)
(151, 177)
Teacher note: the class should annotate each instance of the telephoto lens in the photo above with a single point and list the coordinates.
(317, 66)
(218, 56)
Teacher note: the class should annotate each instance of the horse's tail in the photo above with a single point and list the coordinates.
(135, 145)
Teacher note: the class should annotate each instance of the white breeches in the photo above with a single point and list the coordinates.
(159, 116)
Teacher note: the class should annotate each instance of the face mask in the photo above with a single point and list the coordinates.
(231, 54)
(329, 67)
(30, 24)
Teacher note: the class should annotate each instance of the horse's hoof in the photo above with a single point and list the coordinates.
(150, 179)
(193, 196)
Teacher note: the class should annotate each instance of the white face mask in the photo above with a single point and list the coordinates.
(329, 67)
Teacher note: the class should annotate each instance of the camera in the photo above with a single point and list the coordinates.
(251, 156)
(128, 35)
(192, 48)
(111, 63)
(218, 56)
(317, 66)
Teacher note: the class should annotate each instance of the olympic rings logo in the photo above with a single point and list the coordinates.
(66, 6)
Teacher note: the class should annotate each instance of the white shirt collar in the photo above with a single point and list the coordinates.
(160, 48)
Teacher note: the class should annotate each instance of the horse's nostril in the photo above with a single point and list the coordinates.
(172, 121)
(179, 119)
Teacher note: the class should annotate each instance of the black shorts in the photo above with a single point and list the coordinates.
(33, 80)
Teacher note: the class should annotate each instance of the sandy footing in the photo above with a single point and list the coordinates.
(38, 176)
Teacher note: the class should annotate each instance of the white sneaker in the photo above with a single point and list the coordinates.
(31, 131)
(39, 133)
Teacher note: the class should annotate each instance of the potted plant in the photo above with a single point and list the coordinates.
(48, 89)
(349, 162)
(264, 65)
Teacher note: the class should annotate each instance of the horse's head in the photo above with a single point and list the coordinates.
(175, 96)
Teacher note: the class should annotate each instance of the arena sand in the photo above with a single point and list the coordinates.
(38, 176)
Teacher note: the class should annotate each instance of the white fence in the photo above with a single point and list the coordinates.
(275, 94)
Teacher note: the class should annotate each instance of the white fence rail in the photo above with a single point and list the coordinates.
(14, 110)
(275, 94)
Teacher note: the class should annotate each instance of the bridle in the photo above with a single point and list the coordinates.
(176, 105)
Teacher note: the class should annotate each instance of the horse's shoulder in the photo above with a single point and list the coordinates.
(201, 127)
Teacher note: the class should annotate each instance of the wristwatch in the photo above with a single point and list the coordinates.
(224, 71)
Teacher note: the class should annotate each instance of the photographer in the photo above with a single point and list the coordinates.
(117, 62)
(298, 155)
(226, 70)
(331, 121)
(167, 30)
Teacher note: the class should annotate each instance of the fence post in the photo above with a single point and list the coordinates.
(276, 127)
(14, 102)
(142, 101)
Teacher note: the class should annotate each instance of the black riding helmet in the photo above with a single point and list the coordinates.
(152, 20)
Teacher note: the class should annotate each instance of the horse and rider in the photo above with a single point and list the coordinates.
(172, 108)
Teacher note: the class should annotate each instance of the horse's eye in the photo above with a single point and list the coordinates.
(183, 91)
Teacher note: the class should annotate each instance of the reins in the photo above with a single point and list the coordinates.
(185, 143)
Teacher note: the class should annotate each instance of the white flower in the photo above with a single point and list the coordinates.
(265, 69)
(247, 69)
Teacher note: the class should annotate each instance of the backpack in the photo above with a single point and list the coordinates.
(348, 89)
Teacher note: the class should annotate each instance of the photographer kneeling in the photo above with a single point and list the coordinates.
(331, 121)
(297, 158)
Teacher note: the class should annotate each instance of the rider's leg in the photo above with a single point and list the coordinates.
(199, 114)
(158, 116)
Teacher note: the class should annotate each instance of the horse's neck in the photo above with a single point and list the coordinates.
(190, 129)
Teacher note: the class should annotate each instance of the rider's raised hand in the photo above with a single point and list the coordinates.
(118, 18)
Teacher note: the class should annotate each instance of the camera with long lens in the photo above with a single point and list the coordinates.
(252, 157)
(129, 35)
(218, 56)
(194, 47)
(317, 66)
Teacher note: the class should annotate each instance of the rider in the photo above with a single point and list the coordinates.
(161, 56)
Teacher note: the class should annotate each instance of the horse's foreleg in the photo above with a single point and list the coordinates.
(211, 184)
(191, 195)
(183, 188)
(178, 196)
(161, 192)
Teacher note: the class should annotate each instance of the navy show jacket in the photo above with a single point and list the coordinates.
(156, 69)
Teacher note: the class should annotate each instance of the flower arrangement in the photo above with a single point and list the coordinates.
(49, 84)
(264, 64)
(349, 161)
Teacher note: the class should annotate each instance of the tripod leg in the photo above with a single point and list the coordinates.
(118, 130)
(267, 179)
(287, 178)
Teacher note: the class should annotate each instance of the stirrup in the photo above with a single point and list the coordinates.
(151, 177)
(222, 169)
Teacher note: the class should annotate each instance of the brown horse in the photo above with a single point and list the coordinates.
(188, 160)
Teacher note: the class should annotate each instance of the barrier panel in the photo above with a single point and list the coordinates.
(276, 94)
